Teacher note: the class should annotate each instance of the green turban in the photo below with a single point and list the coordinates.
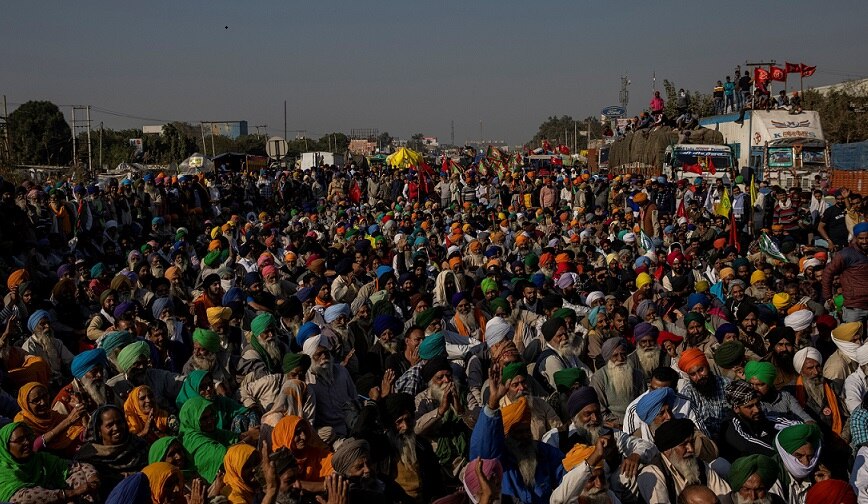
(729, 354)
(794, 437)
(693, 317)
(425, 318)
(115, 339)
(212, 259)
(499, 303)
(207, 339)
(261, 323)
(158, 450)
(293, 360)
(488, 285)
(762, 371)
(512, 370)
(566, 378)
(131, 354)
(744, 467)
(564, 313)
(531, 261)
(434, 345)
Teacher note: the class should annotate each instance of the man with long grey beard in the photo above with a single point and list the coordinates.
(679, 467)
(559, 353)
(88, 385)
(418, 470)
(332, 386)
(624, 455)
(648, 355)
(822, 398)
(618, 382)
(264, 354)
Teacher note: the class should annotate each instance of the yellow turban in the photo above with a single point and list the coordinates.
(642, 280)
(578, 454)
(757, 276)
(847, 331)
(515, 413)
(217, 313)
(727, 273)
(781, 300)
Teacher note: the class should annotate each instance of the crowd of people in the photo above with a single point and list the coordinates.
(362, 335)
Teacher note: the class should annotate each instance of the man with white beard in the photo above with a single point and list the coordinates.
(559, 353)
(209, 355)
(586, 480)
(468, 321)
(648, 355)
(336, 318)
(88, 385)
(42, 343)
(332, 386)
(822, 398)
(618, 383)
(387, 329)
(624, 454)
(679, 466)
(264, 354)
(418, 470)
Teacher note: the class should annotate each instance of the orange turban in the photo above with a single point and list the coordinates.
(578, 454)
(172, 273)
(515, 413)
(17, 278)
(475, 246)
(719, 243)
(521, 239)
(214, 245)
(455, 262)
(640, 198)
(493, 262)
(546, 258)
(691, 358)
(562, 258)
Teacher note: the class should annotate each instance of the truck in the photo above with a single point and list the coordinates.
(705, 160)
(781, 147)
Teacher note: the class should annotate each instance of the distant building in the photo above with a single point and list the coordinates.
(231, 129)
(430, 142)
(857, 87)
(152, 129)
(362, 147)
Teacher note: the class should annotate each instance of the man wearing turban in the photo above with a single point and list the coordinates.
(134, 364)
(680, 466)
(441, 412)
(332, 387)
(543, 416)
(618, 382)
(782, 341)
(418, 469)
(776, 404)
(559, 353)
(469, 320)
(704, 389)
(353, 461)
(263, 355)
(798, 448)
(531, 469)
(820, 397)
(42, 343)
(209, 355)
(659, 408)
(748, 431)
(841, 364)
(88, 385)
(648, 355)
(212, 296)
(751, 478)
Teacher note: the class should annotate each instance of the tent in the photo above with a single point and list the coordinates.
(197, 163)
(404, 158)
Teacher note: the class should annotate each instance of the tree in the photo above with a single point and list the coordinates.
(416, 142)
(385, 140)
(334, 142)
(701, 104)
(39, 134)
(567, 131)
(840, 114)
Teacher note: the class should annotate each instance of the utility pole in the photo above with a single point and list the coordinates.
(6, 150)
(284, 119)
(625, 93)
(77, 125)
(481, 136)
(451, 132)
(264, 127)
(100, 145)
(202, 129)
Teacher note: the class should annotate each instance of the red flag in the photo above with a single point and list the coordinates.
(808, 71)
(761, 75)
(563, 149)
(711, 167)
(793, 67)
(733, 232)
(777, 73)
(693, 168)
(445, 166)
(681, 212)
(556, 160)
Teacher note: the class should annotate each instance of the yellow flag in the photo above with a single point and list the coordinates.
(723, 208)
(753, 192)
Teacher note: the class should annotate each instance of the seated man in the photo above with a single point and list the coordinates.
(134, 364)
(543, 416)
(679, 466)
(618, 382)
(748, 432)
(678, 406)
(88, 385)
(752, 479)
(586, 479)
(704, 389)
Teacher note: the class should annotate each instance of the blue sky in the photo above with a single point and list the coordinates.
(403, 67)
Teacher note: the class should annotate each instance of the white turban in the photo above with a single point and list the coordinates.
(311, 344)
(799, 320)
(806, 353)
(593, 297)
(496, 330)
(811, 262)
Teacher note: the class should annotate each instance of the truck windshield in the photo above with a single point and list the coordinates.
(689, 158)
(814, 156)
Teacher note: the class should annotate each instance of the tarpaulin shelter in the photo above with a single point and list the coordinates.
(196, 163)
(404, 158)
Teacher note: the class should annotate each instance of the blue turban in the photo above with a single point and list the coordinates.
(97, 270)
(649, 405)
(85, 361)
(860, 228)
(383, 322)
(580, 398)
(382, 270)
(122, 308)
(306, 330)
(434, 345)
(35, 318)
(233, 295)
(336, 310)
(132, 489)
(538, 279)
(457, 298)
(725, 329)
(160, 305)
(595, 313)
(642, 261)
(305, 293)
(116, 339)
(251, 278)
(697, 298)
(419, 241)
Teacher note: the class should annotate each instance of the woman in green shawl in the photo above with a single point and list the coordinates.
(203, 440)
(231, 415)
(30, 478)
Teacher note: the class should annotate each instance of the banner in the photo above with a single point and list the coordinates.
(808, 71)
(793, 67)
(777, 74)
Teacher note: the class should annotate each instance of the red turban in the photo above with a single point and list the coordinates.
(831, 492)
(691, 358)
(673, 256)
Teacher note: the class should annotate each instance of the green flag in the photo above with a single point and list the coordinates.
(770, 249)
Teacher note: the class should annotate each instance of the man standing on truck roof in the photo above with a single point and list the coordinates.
(729, 93)
(744, 89)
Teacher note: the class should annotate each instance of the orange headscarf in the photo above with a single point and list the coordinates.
(314, 461)
(240, 491)
(578, 454)
(691, 358)
(16, 278)
(137, 419)
(514, 414)
(158, 475)
(63, 442)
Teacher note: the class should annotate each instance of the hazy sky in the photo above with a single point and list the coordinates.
(402, 66)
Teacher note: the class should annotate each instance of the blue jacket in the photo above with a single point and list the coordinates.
(487, 441)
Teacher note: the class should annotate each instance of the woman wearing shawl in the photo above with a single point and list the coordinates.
(314, 459)
(231, 415)
(201, 437)
(166, 483)
(145, 419)
(798, 448)
(134, 489)
(30, 477)
(112, 450)
(54, 432)
(240, 463)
